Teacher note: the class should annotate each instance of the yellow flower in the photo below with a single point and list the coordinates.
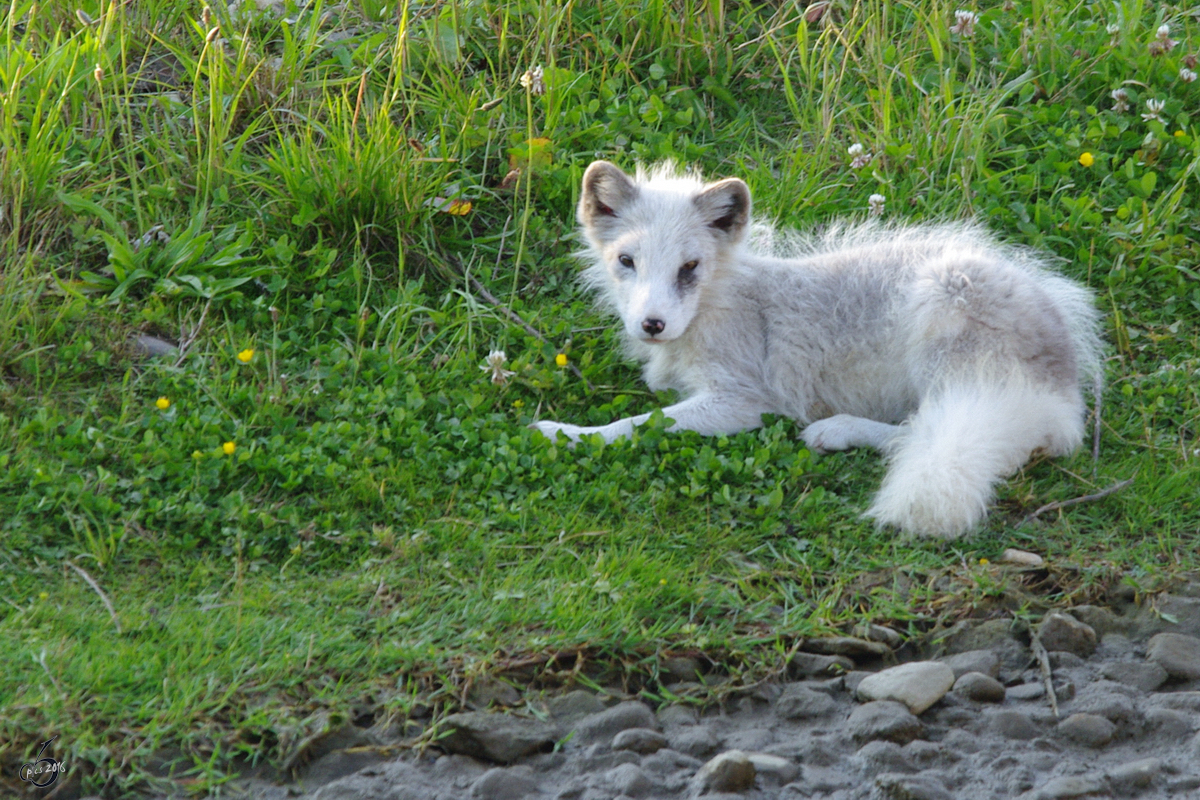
(1087, 159)
(196, 454)
(459, 208)
(44, 595)
(1179, 134)
(296, 550)
(662, 581)
(561, 359)
(518, 403)
(246, 355)
(162, 403)
(229, 447)
(983, 562)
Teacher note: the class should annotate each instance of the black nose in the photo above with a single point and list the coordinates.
(653, 326)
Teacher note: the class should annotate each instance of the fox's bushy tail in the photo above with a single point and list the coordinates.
(948, 458)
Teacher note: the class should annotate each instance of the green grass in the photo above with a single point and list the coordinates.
(387, 528)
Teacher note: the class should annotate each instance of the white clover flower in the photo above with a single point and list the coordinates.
(1186, 75)
(1154, 110)
(1163, 43)
(859, 156)
(495, 364)
(964, 23)
(1120, 100)
(875, 204)
(1113, 29)
(533, 80)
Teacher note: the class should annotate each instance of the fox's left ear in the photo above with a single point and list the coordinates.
(725, 206)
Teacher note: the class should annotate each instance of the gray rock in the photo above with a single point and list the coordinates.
(884, 719)
(1061, 659)
(1143, 676)
(775, 770)
(731, 771)
(696, 741)
(1176, 653)
(799, 702)
(680, 668)
(1013, 724)
(489, 691)
(1112, 701)
(677, 715)
(878, 633)
(514, 783)
(1169, 722)
(1101, 620)
(979, 687)
(502, 738)
(852, 679)
(1134, 775)
(1113, 646)
(1089, 730)
(928, 754)
(846, 646)
(1061, 631)
(152, 346)
(397, 780)
(882, 756)
(639, 740)
(918, 684)
(995, 635)
(984, 661)
(1194, 746)
(1180, 701)
(574, 705)
(807, 665)
(1025, 691)
(629, 780)
(911, 787)
(1070, 787)
(459, 771)
(607, 724)
(1152, 618)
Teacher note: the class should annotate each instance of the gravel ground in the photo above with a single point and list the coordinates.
(1093, 703)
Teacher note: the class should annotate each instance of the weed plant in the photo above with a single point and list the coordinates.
(320, 507)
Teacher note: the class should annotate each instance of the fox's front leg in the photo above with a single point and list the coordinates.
(707, 413)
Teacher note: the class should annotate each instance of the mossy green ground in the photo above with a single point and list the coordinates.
(340, 189)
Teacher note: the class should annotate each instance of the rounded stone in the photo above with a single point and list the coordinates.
(1089, 730)
(883, 756)
(504, 784)
(1135, 775)
(884, 719)
(799, 702)
(1061, 631)
(629, 780)
(639, 740)
(693, 740)
(1013, 725)
(984, 661)
(918, 684)
(911, 787)
(607, 724)
(731, 771)
(1176, 653)
(1143, 676)
(979, 687)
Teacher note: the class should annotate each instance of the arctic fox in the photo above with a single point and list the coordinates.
(953, 354)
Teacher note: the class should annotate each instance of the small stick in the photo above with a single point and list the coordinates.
(1096, 428)
(91, 582)
(1043, 659)
(1116, 487)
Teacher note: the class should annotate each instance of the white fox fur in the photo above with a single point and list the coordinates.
(954, 354)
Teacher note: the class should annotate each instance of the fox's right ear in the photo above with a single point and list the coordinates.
(606, 192)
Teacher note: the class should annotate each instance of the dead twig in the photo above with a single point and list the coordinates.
(187, 338)
(1043, 659)
(1096, 392)
(92, 582)
(1116, 487)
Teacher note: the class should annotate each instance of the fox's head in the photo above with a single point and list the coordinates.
(657, 242)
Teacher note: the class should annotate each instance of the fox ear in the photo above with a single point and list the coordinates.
(725, 207)
(606, 192)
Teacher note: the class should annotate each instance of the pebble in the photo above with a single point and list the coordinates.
(917, 684)
(798, 702)
(697, 741)
(1069, 787)
(911, 787)
(979, 687)
(1061, 631)
(1143, 676)
(849, 646)
(1025, 691)
(607, 724)
(504, 784)
(884, 719)
(1134, 775)
(501, 738)
(883, 756)
(629, 780)
(983, 661)
(807, 665)
(1176, 653)
(732, 771)
(639, 740)
(1012, 724)
(1089, 730)
(776, 769)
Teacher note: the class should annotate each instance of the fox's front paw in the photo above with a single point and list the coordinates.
(829, 434)
(551, 429)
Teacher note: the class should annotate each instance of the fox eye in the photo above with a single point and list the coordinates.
(626, 261)
(689, 266)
